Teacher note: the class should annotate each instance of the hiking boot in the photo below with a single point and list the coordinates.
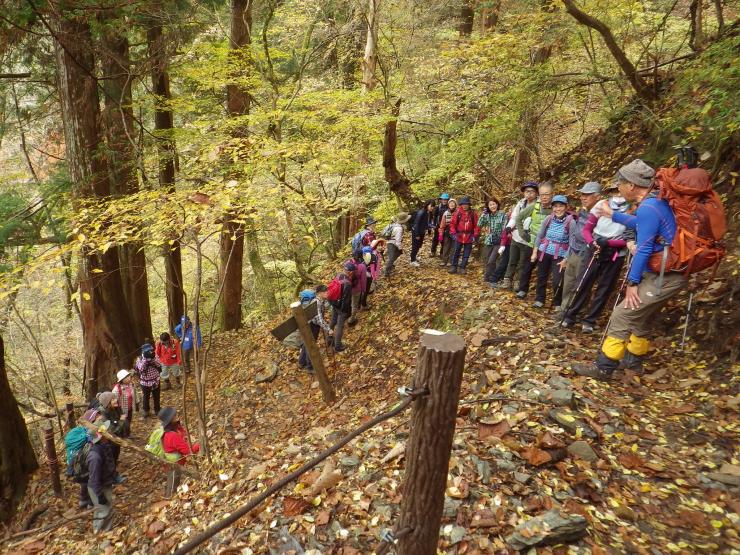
(567, 324)
(147, 414)
(167, 384)
(415, 264)
(587, 328)
(119, 479)
(462, 271)
(538, 304)
(503, 284)
(452, 270)
(590, 370)
(521, 294)
(632, 362)
(340, 349)
(85, 504)
(443, 264)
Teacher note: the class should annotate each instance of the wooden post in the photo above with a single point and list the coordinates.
(314, 353)
(51, 456)
(71, 418)
(439, 367)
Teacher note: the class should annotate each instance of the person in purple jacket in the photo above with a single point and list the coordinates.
(359, 284)
(647, 292)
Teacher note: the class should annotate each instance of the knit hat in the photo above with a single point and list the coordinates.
(590, 188)
(464, 200)
(530, 185)
(562, 199)
(166, 415)
(105, 398)
(122, 375)
(349, 267)
(402, 217)
(636, 172)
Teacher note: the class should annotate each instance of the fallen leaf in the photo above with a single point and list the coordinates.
(293, 506)
(497, 430)
(535, 456)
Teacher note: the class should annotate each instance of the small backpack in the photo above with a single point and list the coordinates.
(387, 232)
(334, 291)
(80, 472)
(700, 221)
(74, 441)
(155, 447)
(306, 296)
(357, 239)
(411, 222)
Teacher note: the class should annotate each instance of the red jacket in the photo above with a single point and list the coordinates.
(464, 225)
(165, 352)
(174, 441)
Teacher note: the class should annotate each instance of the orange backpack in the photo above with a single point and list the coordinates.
(700, 221)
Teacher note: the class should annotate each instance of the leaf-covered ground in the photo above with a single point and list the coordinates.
(650, 461)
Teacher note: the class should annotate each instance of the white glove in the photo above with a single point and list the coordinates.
(501, 249)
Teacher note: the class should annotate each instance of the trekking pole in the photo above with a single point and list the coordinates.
(686, 324)
(578, 287)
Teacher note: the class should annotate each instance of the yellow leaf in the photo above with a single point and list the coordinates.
(567, 418)
(97, 271)
(86, 296)
(717, 524)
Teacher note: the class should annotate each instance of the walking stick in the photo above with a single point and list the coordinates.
(578, 287)
(686, 325)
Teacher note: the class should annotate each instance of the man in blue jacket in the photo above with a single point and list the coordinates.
(647, 292)
(101, 467)
(184, 330)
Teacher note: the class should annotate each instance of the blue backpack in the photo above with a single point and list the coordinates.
(306, 296)
(357, 239)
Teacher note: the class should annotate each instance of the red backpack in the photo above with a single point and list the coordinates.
(334, 291)
(700, 220)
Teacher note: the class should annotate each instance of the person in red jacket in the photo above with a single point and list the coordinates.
(174, 439)
(168, 354)
(464, 231)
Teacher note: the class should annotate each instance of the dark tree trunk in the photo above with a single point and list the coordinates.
(629, 70)
(467, 18)
(399, 184)
(491, 14)
(163, 124)
(720, 17)
(106, 324)
(237, 105)
(17, 459)
(118, 118)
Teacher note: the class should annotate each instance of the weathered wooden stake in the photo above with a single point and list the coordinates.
(69, 408)
(314, 353)
(51, 456)
(439, 367)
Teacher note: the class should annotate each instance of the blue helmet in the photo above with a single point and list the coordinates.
(444, 196)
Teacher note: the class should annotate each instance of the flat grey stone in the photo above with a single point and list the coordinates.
(268, 375)
(505, 466)
(559, 397)
(729, 479)
(522, 477)
(559, 382)
(552, 527)
(450, 507)
(457, 534)
(350, 460)
(583, 450)
(483, 468)
(570, 421)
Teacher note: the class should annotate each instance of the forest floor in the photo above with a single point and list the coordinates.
(650, 461)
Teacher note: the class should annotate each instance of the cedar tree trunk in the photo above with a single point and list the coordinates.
(399, 184)
(467, 18)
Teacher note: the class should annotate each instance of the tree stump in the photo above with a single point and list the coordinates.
(440, 368)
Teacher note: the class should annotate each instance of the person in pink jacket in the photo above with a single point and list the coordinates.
(359, 284)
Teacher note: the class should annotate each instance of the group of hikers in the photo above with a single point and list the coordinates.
(577, 249)
(92, 460)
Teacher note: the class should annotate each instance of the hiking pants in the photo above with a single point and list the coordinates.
(628, 329)
(435, 242)
(548, 268)
(463, 248)
(152, 391)
(490, 263)
(338, 318)
(393, 253)
(366, 292)
(415, 246)
(525, 271)
(171, 369)
(516, 258)
(355, 307)
(103, 509)
(501, 265)
(303, 358)
(485, 252)
(187, 361)
(572, 274)
(448, 247)
(604, 272)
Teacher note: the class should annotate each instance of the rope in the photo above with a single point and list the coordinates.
(277, 486)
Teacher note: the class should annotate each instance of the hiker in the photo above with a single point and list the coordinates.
(647, 291)
(464, 230)
(394, 240)
(184, 331)
(534, 214)
(436, 219)
(168, 355)
(342, 307)
(148, 368)
(502, 257)
(365, 236)
(93, 410)
(419, 229)
(372, 264)
(551, 249)
(518, 247)
(359, 283)
(317, 323)
(590, 194)
(443, 233)
(126, 399)
(605, 255)
(101, 468)
(174, 438)
(491, 224)
(111, 412)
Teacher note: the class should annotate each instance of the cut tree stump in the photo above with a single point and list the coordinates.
(317, 361)
(439, 368)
